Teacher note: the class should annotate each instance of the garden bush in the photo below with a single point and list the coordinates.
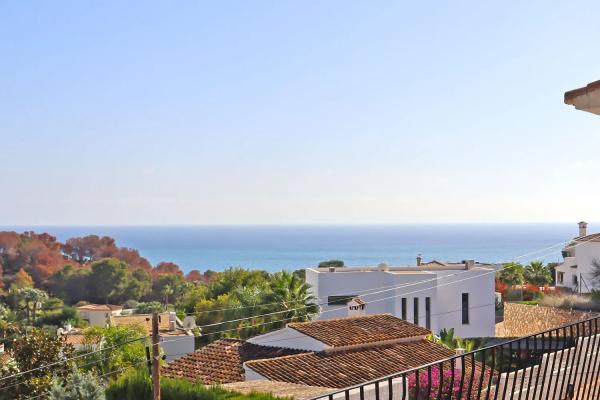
(571, 301)
(137, 386)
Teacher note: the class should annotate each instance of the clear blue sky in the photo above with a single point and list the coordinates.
(193, 112)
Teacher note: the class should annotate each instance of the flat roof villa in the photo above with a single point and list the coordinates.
(434, 295)
(319, 355)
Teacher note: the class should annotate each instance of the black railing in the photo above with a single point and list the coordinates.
(560, 363)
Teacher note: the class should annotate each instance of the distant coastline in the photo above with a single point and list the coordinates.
(276, 247)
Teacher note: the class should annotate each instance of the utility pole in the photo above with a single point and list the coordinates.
(155, 358)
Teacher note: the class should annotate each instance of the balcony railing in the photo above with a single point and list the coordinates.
(560, 363)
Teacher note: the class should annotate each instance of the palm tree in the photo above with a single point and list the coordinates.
(537, 273)
(447, 339)
(166, 291)
(31, 300)
(511, 274)
(292, 294)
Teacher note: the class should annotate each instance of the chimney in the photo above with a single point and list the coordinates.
(582, 229)
(419, 260)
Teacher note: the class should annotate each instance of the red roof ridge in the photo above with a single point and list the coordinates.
(319, 321)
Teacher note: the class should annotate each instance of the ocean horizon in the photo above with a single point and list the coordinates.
(277, 247)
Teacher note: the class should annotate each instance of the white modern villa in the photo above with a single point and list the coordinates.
(580, 256)
(434, 295)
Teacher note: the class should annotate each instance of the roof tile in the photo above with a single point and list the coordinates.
(221, 361)
(359, 330)
(339, 369)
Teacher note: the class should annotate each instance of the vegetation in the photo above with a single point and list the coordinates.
(331, 264)
(119, 348)
(137, 386)
(42, 281)
(447, 339)
(572, 301)
(511, 274)
(79, 386)
(29, 352)
(522, 283)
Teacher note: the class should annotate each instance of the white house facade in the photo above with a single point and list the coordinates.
(434, 295)
(581, 257)
(99, 314)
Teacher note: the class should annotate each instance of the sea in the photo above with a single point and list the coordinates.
(277, 247)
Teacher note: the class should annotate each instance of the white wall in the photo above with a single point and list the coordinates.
(290, 338)
(479, 284)
(444, 287)
(251, 375)
(98, 318)
(584, 256)
(175, 347)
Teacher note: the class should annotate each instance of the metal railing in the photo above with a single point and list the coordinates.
(557, 364)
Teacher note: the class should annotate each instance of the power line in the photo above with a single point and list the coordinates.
(290, 310)
(70, 359)
(99, 377)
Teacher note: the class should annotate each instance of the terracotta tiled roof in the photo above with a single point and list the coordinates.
(4, 357)
(100, 307)
(359, 330)
(221, 361)
(339, 369)
(75, 338)
(594, 237)
(143, 320)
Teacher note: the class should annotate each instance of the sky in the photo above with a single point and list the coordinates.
(296, 112)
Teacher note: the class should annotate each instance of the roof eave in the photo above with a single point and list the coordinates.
(585, 98)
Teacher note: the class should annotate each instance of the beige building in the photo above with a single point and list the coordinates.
(99, 314)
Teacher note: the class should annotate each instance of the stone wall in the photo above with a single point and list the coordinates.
(523, 320)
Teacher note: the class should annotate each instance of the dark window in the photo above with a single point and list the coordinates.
(428, 312)
(341, 300)
(404, 308)
(416, 310)
(561, 277)
(465, 308)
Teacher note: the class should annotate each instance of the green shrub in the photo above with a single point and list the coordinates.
(595, 295)
(149, 307)
(79, 385)
(332, 264)
(66, 315)
(530, 302)
(130, 304)
(137, 386)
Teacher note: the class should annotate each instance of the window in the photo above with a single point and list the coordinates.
(465, 308)
(340, 300)
(404, 308)
(428, 312)
(575, 280)
(416, 310)
(560, 277)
